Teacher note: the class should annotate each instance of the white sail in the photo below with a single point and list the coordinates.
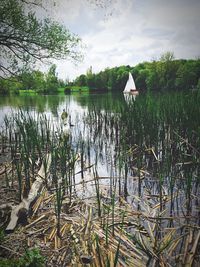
(130, 85)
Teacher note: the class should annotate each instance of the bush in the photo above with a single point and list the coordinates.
(31, 258)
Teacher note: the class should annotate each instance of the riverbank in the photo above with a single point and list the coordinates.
(59, 91)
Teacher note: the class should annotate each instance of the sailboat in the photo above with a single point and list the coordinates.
(130, 87)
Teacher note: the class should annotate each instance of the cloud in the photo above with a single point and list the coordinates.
(136, 31)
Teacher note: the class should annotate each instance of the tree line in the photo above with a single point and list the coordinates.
(36, 81)
(166, 74)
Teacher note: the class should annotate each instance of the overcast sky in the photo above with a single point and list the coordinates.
(127, 32)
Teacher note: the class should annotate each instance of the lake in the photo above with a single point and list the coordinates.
(112, 125)
(144, 150)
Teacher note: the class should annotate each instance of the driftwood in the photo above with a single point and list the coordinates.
(21, 210)
(3, 170)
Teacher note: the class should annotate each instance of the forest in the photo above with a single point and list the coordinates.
(165, 74)
(32, 81)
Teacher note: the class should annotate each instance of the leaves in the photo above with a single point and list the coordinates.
(167, 74)
(25, 39)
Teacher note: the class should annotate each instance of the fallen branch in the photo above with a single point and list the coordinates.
(21, 210)
(3, 170)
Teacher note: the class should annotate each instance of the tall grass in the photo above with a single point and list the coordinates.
(149, 148)
(165, 130)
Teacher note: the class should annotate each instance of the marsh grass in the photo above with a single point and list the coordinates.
(148, 214)
(165, 130)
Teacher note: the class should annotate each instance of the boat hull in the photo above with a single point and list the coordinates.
(132, 92)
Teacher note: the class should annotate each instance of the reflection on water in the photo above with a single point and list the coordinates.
(145, 150)
(141, 133)
(77, 106)
(54, 104)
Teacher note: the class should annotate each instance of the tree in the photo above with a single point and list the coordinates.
(33, 80)
(38, 81)
(167, 71)
(152, 80)
(188, 75)
(198, 85)
(10, 87)
(91, 81)
(167, 56)
(27, 80)
(51, 80)
(81, 80)
(26, 39)
(141, 80)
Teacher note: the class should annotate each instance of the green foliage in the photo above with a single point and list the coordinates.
(81, 80)
(32, 258)
(188, 75)
(51, 80)
(164, 75)
(35, 81)
(198, 85)
(167, 74)
(8, 263)
(9, 86)
(25, 39)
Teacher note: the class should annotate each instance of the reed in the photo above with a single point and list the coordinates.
(20, 179)
(164, 129)
(149, 149)
(98, 197)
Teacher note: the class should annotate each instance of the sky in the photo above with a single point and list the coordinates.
(127, 32)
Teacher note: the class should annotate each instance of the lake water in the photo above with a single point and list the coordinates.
(146, 138)
(52, 106)
(146, 150)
